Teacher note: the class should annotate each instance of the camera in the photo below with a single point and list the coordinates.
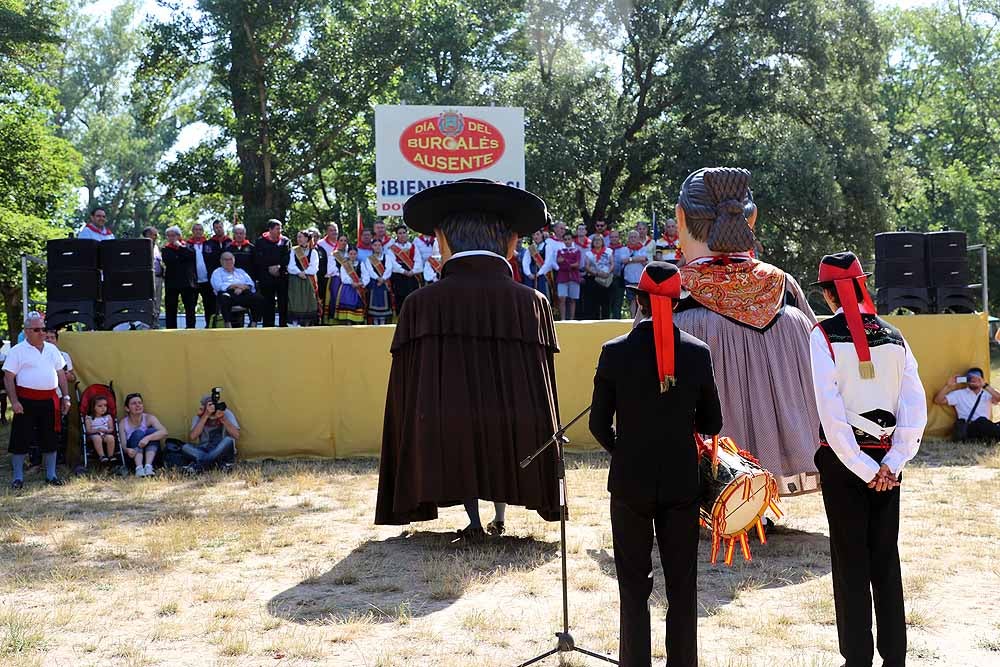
(217, 401)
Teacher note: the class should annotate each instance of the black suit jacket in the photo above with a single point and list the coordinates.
(653, 451)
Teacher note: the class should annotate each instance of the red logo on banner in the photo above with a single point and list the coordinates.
(452, 144)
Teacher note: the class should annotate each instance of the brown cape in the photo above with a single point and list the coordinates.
(472, 391)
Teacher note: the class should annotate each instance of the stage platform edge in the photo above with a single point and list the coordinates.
(320, 392)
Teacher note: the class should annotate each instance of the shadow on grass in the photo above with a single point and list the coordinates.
(411, 575)
(790, 557)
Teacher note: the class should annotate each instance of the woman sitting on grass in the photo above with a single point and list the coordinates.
(143, 434)
(100, 430)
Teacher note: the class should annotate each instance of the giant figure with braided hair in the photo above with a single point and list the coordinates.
(755, 319)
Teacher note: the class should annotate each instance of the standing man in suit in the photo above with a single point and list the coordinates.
(873, 412)
(654, 481)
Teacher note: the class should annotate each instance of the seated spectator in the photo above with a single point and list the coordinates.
(973, 399)
(214, 434)
(234, 287)
(143, 434)
(99, 429)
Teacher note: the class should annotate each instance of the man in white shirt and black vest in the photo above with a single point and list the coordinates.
(32, 373)
(873, 411)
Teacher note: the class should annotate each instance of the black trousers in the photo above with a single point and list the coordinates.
(617, 292)
(207, 299)
(35, 426)
(190, 298)
(864, 529)
(983, 429)
(676, 527)
(598, 299)
(402, 287)
(269, 291)
(227, 300)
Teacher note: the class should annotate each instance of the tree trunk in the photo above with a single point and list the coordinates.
(12, 309)
(262, 198)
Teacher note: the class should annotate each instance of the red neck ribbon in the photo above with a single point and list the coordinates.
(661, 297)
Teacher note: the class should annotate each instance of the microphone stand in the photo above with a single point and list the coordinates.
(564, 640)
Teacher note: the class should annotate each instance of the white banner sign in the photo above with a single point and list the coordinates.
(417, 147)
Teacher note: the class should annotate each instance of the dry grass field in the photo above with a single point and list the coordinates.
(279, 564)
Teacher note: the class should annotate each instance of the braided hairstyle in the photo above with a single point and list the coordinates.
(717, 205)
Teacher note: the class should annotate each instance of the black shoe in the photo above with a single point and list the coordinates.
(472, 535)
(226, 468)
(495, 528)
(55, 481)
(191, 469)
(17, 485)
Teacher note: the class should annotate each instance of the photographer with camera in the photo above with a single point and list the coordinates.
(214, 433)
(973, 399)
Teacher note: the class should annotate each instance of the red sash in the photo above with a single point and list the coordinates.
(302, 257)
(345, 263)
(379, 267)
(536, 256)
(436, 264)
(43, 395)
(405, 258)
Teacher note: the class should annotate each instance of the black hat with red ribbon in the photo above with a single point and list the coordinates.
(843, 271)
(662, 282)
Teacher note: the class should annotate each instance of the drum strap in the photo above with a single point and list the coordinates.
(873, 429)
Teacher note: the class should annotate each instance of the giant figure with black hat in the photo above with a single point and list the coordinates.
(655, 374)
(873, 411)
(472, 388)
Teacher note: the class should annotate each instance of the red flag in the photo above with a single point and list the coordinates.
(361, 226)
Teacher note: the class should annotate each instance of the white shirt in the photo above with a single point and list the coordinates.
(222, 280)
(311, 270)
(605, 263)
(331, 263)
(963, 400)
(368, 271)
(426, 249)
(34, 369)
(418, 261)
(430, 275)
(88, 233)
(199, 262)
(548, 253)
(896, 389)
(632, 272)
(346, 279)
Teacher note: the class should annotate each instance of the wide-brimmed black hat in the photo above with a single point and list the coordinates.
(523, 211)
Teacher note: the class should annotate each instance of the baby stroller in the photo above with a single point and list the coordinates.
(85, 400)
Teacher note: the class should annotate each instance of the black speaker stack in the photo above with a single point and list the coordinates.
(923, 273)
(99, 284)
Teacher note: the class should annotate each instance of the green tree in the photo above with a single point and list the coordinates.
(299, 79)
(941, 94)
(37, 169)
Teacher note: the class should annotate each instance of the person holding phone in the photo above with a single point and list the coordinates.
(973, 399)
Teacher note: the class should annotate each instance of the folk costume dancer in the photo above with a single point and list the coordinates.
(873, 412)
(408, 268)
(34, 377)
(337, 259)
(375, 273)
(756, 320)
(328, 245)
(539, 265)
(349, 301)
(432, 269)
(472, 385)
(656, 369)
(427, 246)
(303, 265)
